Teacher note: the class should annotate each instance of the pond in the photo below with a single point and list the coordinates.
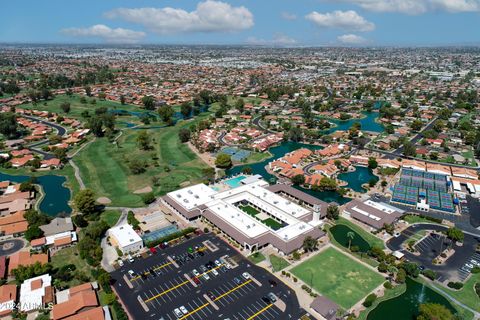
(405, 306)
(56, 196)
(368, 123)
(357, 178)
(280, 151)
(340, 232)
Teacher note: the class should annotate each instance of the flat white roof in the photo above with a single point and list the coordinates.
(238, 219)
(125, 235)
(193, 196)
(33, 299)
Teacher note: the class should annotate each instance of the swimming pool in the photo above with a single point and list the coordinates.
(234, 182)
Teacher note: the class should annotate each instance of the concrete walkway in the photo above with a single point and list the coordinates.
(77, 174)
(476, 315)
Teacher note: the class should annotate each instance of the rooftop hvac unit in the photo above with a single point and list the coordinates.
(196, 196)
(190, 191)
(179, 195)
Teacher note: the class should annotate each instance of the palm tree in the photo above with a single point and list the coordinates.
(350, 236)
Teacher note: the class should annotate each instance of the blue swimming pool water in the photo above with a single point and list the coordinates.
(234, 182)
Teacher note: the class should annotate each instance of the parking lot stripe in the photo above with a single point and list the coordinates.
(233, 289)
(195, 311)
(261, 311)
(148, 272)
(167, 291)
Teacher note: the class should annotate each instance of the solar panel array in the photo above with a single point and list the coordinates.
(415, 185)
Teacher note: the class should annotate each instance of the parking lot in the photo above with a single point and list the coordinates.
(202, 278)
(466, 269)
(455, 268)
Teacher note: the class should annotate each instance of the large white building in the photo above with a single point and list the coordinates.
(254, 214)
(125, 238)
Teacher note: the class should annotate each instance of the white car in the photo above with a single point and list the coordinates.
(178, 313)
(215, 272)
(130, 259)
(195, 273)
(184, 310)
(120, 263)
(218, 263)
(206, 276)
(246, 275)
(131, 273)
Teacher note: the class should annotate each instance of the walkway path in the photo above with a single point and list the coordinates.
(476, 314)
(77, 174)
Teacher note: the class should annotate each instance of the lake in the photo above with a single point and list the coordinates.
(368, 123)
(357, 178)
(340, 231)
(56, 196)
(405, 306)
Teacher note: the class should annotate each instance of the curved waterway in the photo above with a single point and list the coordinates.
(56, 195)
(405, 306)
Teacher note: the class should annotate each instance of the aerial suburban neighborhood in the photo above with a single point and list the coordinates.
(183, 172)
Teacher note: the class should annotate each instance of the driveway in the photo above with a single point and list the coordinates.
(9, 247)
(430, 247)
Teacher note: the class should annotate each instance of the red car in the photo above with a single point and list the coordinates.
(153, 250)
(195, 279)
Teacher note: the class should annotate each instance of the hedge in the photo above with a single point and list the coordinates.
(171, 237)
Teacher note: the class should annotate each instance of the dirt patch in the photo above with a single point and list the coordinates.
(104, 200)
(143, 190)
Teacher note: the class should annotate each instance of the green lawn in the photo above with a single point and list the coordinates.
(71, 256)
(110, 216)
(104, 166)
(370, 238)
(338, 277)
(250, 210)
(467, 294)
(272, 223)
(278, 263)
(256, 257)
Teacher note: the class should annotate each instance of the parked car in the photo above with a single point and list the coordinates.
(153, 250)
(272, 297)
(120, 263)
(246, 275)
(178, 313)
(184, 310)
(131, 273)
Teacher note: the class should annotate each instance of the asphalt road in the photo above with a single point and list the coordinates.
(431, 247)
(165, 287)
(34, 147)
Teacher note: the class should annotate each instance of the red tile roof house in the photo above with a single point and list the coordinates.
(24, 258)
(8, 297)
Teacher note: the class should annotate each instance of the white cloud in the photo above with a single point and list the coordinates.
(352, 39)
(345, 20)
(288, 16)
(209, 16)
(418, 6)
(118, 35)
(277, 40)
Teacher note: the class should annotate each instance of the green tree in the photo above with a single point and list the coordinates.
(122, 99)
(416, 125)
(455, 234)
(8, 125)
(143, 140)
(65, 107)
(247, 170)
(309, 244)
(434, 311)
(372, 163)
(33, 232)
(186, 109)
(332, 212)
(184, 135)
(166, 113)
(350, 237)
(298, 179)
(84, 201)
(148, 102)
(223, 161)
(409, 149)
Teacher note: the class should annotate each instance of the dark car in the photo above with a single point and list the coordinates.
(211, 295)
(266, 299)
(272, 282)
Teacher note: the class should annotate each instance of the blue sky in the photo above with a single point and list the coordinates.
(263, 22)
